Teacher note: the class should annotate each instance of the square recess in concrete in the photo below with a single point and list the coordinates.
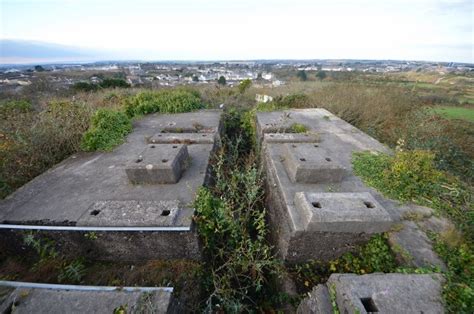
(182, 138)
(309, 163)
(130, 213)
(342, 212)
(158, 164)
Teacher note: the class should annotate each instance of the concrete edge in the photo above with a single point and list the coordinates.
(86, 228)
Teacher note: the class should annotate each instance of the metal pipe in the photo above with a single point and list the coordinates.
(32, 285)
(86, 228)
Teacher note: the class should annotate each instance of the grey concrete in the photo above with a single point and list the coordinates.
(332, 138)
(181, 138)
(68, 299)
(413, 248)
(387, 293)
(159, 164)
(93, 189)
(342, 212)
(317, 302)
(309, 163)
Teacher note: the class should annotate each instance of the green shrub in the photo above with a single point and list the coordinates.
(114, 82)
(10, 106)
(85, 87)
(164, 101)
(108, 129)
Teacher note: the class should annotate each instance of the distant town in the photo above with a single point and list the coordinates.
(270, 73)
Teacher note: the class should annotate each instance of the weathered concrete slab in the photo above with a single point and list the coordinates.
(387, 293)
(52, 299)
(93, 189)
(159, 164)
(287, 176)
(181, 138)
(309, 163)
(318, 302)
(413, 248)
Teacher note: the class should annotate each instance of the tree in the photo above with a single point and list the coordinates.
(221, 80)
(39, 68)
(302, 75)
(321, 75)
(244, 85)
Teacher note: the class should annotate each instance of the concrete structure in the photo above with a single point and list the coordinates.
(384, 293)
(133, 203)
(22, 297)
(317, 208)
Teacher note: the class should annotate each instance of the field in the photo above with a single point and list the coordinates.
(455, 113)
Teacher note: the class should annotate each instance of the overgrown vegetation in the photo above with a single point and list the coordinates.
(108, 129)
(412, 176)
(375, 256)
(105, 83)
(231, 224)
(163, 101)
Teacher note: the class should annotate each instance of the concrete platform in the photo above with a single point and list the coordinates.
(302, 167)
(23, 297)
(388, 293)
(123, 204)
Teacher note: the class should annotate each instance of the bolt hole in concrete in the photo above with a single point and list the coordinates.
(316, 146)
(328, 159)
(369, 205)
(271, 135)
(204, 135)
(293, 145)
(95, 212)
(316, 204)
(164, 160)
(175, 146)
(369, 305)
(139, 160)
(159, 135)
(303, 159)
(152, 146)
(166, 212)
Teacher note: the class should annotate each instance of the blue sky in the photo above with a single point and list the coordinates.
(439, 30)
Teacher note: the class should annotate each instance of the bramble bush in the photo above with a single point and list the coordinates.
(163, 101)
(108, 129)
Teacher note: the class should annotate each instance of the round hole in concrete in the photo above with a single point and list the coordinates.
(316, 145)
(204, 135)
(139, 160)
(164, 160)
(303, 159)
(293, 145)
(95, 212)
(316, 204)
(159, 135)
(165, 212)
(328, 159)
(369, 204)
(152, 146)
(175, 146)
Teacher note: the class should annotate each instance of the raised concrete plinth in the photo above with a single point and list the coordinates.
(317, 208)
(158, 163)
(17, 297)
(91, 193)
(387, 293)
(309, 163)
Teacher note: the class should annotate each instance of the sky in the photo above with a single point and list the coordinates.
(433, 30)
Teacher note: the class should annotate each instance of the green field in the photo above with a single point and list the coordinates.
(455, 112)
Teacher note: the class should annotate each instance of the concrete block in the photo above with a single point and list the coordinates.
(342, 212)
(388, 293)
(291, 137)
(131, 213)
(52, 299)
(318, 302)
(158, 164)
(309, 163)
